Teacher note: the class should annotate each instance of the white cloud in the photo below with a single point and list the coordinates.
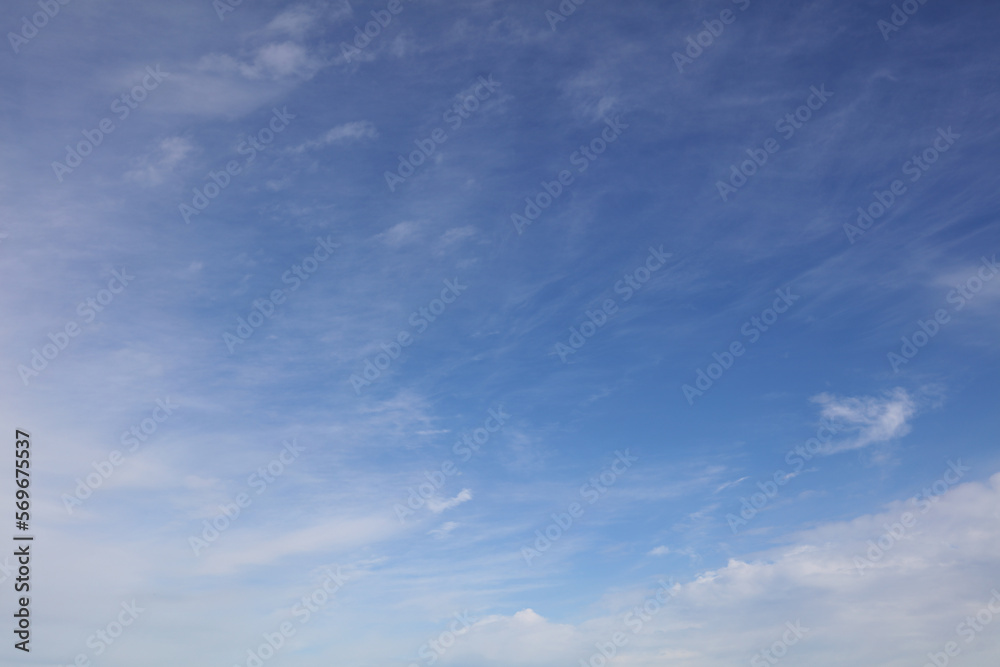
(442, 532)
(726, 485)
(300, 19)
(353, 131)
(400, 233)
(870, 419)
(241, 547)
(937, 572)
(437, 506)
(458, 234)
(525, 638)
(659, 551)
(273, 61)
(278, 60)
(155, 167)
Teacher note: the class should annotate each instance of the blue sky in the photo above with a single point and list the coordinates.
(626, 265)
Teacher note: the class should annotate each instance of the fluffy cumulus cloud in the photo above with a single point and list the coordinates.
(886, 589)
(523, 638)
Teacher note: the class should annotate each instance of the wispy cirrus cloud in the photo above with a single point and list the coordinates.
(353, 131)
(870, 419)
(154, 168)
(437, 505)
